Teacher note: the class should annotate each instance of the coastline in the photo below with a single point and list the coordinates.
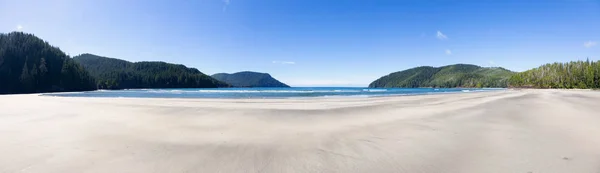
(269, 93)
(495, 131)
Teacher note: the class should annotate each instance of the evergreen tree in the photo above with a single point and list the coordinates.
(458, 75)
(111, 73)
(575, 74)
(25, 78)
(29, 64)
(34, 75)
(249, 79)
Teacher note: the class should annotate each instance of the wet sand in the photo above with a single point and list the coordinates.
(501, 131)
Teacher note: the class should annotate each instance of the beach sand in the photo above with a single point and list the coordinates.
(517, 131)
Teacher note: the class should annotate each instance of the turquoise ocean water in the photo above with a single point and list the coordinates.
(268, 92)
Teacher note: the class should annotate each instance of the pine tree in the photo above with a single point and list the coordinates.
(43, 68)
(576, 74)
(25, 78)
(29, 64)
(34, 75)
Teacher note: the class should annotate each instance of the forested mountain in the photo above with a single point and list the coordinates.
(249, 79)
(111, 73)
(28, 64)
(575, 74)
(458, 75)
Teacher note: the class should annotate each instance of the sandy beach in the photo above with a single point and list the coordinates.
(521, 131)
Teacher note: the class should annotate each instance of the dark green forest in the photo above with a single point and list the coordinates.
(249, 79)
(31, 65)
(28, 64)
(575, 74)
(111, 73)
(458, 75)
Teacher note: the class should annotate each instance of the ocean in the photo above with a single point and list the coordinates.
(293, 92)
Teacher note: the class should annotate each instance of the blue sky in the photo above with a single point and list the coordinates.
(316, 42)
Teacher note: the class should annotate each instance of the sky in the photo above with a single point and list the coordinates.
(316, 42)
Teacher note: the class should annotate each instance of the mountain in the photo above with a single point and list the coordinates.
(249, 79)
(28, 64)
(458, 75)
(575, 74)
(111, 73)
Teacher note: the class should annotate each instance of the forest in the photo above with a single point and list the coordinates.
(451, 76)
(249, 79)
(575, 74)
(30, 65)
(111, 73)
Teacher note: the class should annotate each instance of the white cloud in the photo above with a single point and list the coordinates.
(19, 27)
(492, 63)
(284, 62)
(441, 35)
(448, 52)
(226, 4)
(589, 44)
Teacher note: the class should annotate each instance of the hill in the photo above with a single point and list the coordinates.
(28, 64)
(249, 79)
(111, 73)
(575, 74)
(458, 75)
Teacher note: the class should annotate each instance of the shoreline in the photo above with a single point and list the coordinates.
(366, 95)
(296, 97)
(502, 131)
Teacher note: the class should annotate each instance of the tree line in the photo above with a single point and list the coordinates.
(30, 65)
(451, 76)
(575, 74)
(249, 79)
(111, 73)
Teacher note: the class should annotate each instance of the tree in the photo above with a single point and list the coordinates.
(25, 78)
(111, 73)
(43, 68)
(458, 75)
(30, 64)
(575, 74)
